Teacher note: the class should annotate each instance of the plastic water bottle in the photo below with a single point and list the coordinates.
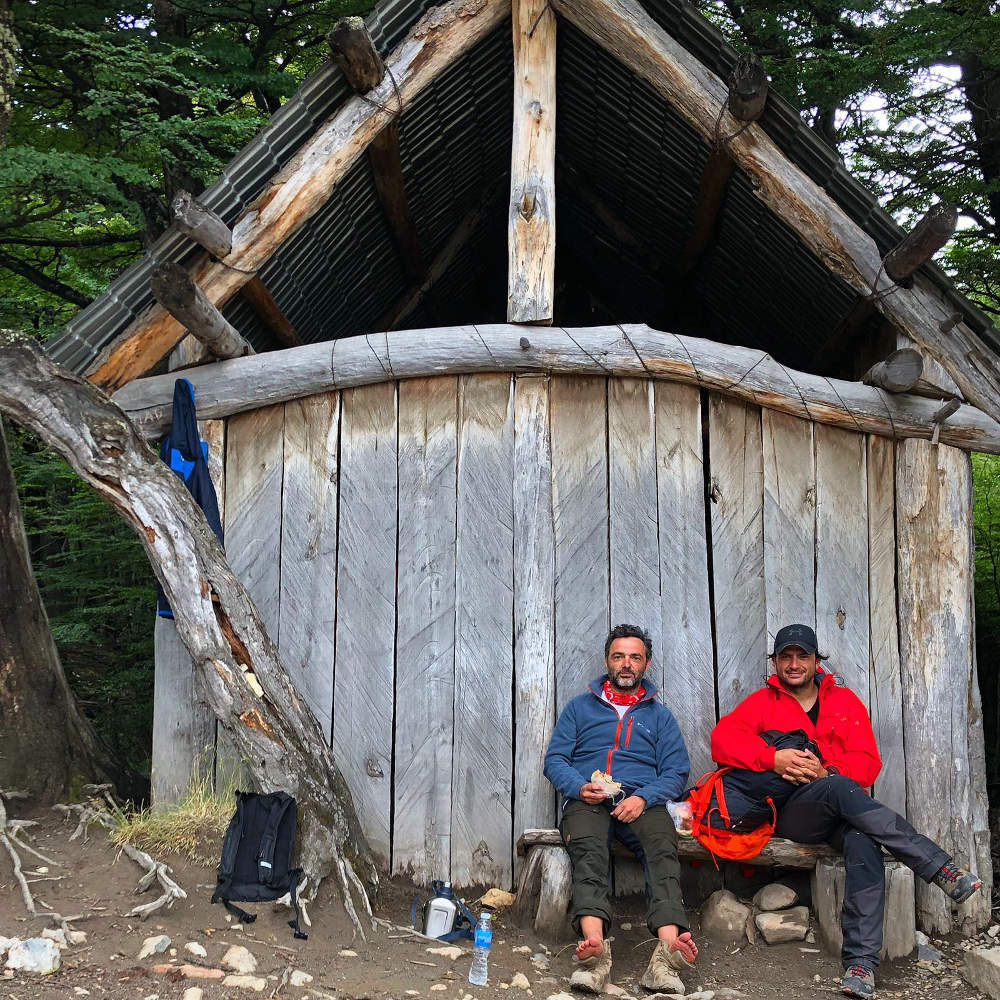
(481, 951)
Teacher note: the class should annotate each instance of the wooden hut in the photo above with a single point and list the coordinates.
(440, 509)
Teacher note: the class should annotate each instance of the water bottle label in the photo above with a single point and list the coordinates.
(484, 937)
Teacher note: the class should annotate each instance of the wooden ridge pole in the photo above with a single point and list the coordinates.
(625, 30)
(531, 227)
(297, 191)
(630, 350)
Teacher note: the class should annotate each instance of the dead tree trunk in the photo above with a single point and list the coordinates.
(47, 747)
(237, 664)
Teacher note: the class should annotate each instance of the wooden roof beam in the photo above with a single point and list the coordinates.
(625, 30)
(632, 350)
(354, 52)
(531, 228)
(297, 191)
(175, 290)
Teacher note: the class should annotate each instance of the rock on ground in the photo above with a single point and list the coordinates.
(723, 917)
(256, 983)
(196, 949)
(786, 925)
(982, 970)
(155, 945)
(520, 981)
(39, 955)
(775, 897)
(239, 960)
(300, 978)
(449, 951)
(58, 935)
(6, 942)
(193, 993)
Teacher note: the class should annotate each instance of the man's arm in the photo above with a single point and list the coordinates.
(860, 758)
(672, 763)
(736, 741)
(559, 769)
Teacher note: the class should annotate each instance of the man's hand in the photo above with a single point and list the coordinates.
(798, 766)
(592, 793)
(629, 809)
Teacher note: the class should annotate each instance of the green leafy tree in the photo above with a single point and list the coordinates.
(986, 480)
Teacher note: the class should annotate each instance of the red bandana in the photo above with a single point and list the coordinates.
(623, 697)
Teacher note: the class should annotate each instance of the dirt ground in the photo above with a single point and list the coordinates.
(390, 964)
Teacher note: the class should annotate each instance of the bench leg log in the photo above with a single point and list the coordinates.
(543, 892)
(899, 925)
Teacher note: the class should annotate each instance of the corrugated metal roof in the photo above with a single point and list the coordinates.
(340, 273)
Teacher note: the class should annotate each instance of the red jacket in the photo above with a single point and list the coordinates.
(843, 731)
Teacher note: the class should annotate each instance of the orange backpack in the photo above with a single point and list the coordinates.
(724, 842)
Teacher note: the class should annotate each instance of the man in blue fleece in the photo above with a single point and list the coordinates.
(617, 727)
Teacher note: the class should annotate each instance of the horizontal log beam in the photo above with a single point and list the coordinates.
(201, 224)
(297, 191)
(269, 312)
(626, 31)
(176, 291)
(633, 350)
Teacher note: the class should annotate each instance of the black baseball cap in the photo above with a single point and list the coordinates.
(795, 635)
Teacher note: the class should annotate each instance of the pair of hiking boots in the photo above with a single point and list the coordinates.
(660, 976)
(954, 882)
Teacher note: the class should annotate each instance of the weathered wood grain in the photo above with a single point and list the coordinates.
(206, 228)
(842, 556)
(481, 833)
(631, 35)
(886, 704)
(254, 458)
(425, 602)
(789, 522)
(556, 882)
(685, 642)
(738, 372)
(307, 606)
(531, 228)
(302, 186)
(183, 725)
(580, 515)
(269, 312)
(934, 560)
(737, 506)
(634, 538)
(366, 606)
(534, 595)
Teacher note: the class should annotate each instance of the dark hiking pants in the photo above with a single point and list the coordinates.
(587, 831)
(836, 811)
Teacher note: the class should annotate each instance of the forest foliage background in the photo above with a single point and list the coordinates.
(111, 108)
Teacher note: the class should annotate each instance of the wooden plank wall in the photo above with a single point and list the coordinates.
(439, 560)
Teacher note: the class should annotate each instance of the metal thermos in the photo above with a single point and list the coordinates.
(439, 913)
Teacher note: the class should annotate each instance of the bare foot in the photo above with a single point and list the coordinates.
(683, 944)
(589, 947)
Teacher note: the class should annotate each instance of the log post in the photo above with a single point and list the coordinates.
(921, 243)
(354, 52)
(531, 228)
(939, 685)
(899, 372)
(193, 219)
(175, 290)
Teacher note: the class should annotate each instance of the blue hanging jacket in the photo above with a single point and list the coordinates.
(188, 457)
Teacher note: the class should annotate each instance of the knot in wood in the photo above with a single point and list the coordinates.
(527, 208)
(715, 494)
(841, 618)
(373, 769)
(525, 343)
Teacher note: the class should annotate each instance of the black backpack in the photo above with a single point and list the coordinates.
(257, 855)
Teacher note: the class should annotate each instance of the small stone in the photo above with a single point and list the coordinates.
(413, 993)
(255, 983)
(347, 953)
(521, 949)
(58, 935)
(982, 969)
(724, 917)
(151, 996)
(560, 996)
(519, 981)
(162, 967)
(38, 955)
(80, 991)
(775, 897)
(625, 927)
(816, 978)
(196, 949)
(994, 930)
(6, 942)
(300, 978)
(194, 993)
(701, 995)
(239, 960)
(541, 960)
(614, 991)
(439, 987)
(451, 952)
(496, 899)
(785, 925)
(77, 937)
(199, 972)
(156, 945)
(926, 952)
(725, 993)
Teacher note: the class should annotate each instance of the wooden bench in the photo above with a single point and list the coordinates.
(543, 887)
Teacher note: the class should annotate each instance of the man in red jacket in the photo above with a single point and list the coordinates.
(830, 804)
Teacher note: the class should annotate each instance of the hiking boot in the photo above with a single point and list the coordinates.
(661, 973)
(592, 973)
(956, 882)
(858, 982)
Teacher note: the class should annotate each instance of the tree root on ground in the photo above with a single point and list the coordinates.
(99, 808)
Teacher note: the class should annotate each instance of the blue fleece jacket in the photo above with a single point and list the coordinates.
(644, 750)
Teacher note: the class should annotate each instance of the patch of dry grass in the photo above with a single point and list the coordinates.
(193, 827)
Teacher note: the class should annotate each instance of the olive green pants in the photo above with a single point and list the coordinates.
(587, 831)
